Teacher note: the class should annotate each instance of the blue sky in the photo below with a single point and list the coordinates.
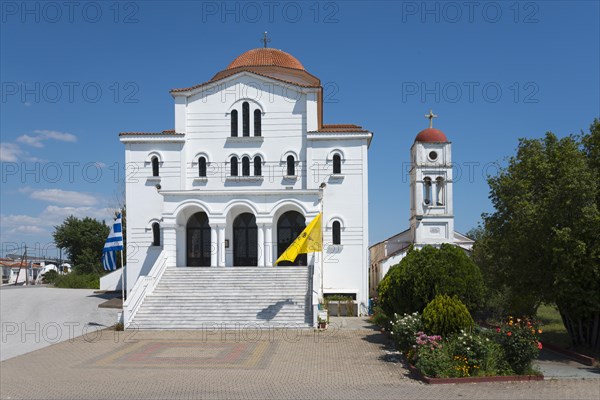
(75, 74)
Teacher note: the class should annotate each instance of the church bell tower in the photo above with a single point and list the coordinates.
(431, 207)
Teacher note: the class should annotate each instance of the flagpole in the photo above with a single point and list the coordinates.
(122, 278)
(122, 262)
(322, 187)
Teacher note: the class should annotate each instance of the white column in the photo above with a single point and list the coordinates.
(169, 237)
(221, 244)
(214, 247)
(261, 244)
(269, 245)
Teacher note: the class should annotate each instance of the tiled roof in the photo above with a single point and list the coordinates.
(225, 74)
(341, 128)
(431, 135)
(266, 57)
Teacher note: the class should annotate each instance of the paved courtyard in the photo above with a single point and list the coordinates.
(349, 363)
(33, 317)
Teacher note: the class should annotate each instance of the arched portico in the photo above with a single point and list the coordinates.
(198, 241)
(245, 240)
(289, 226)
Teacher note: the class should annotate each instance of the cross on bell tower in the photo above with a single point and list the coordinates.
(265, 39)
(429, 116)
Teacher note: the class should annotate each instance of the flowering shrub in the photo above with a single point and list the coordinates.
(475, 354)
(405, 329)
(520, 342)
(423, 341)
(507, 350)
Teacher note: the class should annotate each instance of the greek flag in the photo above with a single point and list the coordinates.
(114, 243)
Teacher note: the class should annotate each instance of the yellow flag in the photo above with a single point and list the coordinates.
(309, 241)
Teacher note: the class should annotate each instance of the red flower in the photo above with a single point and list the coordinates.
(498, 330)
(540, 345)
(508, 333)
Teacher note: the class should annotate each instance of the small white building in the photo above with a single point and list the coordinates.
(431, 205)
(248, 165)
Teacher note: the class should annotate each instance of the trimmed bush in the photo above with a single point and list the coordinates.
(423, 274)
(78, 281)
(446, 315)
(50, 276)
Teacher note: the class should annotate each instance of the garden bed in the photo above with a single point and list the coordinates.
(474, 379)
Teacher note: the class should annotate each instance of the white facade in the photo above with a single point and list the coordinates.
(243, 217)
(431, 206)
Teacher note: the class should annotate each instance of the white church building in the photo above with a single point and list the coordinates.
(431, 205)
(212, 203)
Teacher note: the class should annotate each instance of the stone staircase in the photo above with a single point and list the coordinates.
(196, 298)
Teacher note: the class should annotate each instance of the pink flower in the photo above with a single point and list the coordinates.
(498, 330)
(540, 345)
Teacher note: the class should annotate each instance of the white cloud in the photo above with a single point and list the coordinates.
(29, 230)
(52, 216)
(33, 141)
(64, 197)
(9, 152)
(60, 136)
(42, 135)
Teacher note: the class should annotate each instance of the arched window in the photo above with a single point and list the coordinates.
(427, 190)
(257, 122)
(439, 188)
(336, 232)
(155, 166)
(155, 234)
(337, 164)
(202, 167)
(291, 166)
(234, 166)
(246, 119)
(257, 166)
(245, 166)
(234, 123)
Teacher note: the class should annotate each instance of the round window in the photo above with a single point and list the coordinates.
(433, 155)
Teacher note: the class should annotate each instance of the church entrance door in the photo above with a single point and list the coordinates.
(245, 241)
(198, 240)
(289, 226)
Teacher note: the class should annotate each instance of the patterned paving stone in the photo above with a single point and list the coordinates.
(268, 364)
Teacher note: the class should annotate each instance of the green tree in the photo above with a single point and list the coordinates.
(83, 240)
(542, 242)
(426, 273)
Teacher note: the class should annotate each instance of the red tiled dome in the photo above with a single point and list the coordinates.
(431, 135)
(266, 57)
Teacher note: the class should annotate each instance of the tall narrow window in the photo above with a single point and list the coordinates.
(234, 123)
(257, 166)
(439, 188)
(155, 166)
(246, 119)
(257, 122)
(246, 166)
(155, 234)
(291, 166)
(337, 164)
(336, 232)
(234, 166)
(202, 167)
(427, 190)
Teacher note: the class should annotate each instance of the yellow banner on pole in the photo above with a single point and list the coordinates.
(309, 241)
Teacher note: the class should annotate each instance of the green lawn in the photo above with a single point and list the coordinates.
(553, 330)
